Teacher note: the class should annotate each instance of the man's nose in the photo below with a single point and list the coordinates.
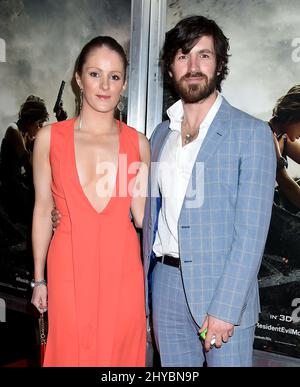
(194, 63)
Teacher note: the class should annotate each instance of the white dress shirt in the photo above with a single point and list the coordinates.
(174, 172)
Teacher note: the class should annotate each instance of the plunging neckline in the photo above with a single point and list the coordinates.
(116, 185)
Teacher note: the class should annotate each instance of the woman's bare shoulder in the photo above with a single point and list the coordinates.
(143, 140)
(43, 137)
(12, 131)
(144, 147)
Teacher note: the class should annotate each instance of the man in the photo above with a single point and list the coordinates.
(208, 210)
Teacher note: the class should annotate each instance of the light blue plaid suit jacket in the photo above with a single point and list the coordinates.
(221, 242)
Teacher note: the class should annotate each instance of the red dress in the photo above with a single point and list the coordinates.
(96, 305)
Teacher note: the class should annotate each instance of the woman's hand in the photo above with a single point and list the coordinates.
(277, 147)
(55, 216)
(39, 298)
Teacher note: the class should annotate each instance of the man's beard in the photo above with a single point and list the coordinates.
(195, 92)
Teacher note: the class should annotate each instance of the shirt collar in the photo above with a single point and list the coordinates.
(175, 114)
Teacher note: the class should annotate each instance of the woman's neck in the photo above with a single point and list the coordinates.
(96, 122)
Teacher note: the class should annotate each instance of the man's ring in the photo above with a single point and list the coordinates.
(213, 341)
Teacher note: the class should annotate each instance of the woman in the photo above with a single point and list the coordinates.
(16, 159)
(95, 294)
(285, 125)
(284, 237)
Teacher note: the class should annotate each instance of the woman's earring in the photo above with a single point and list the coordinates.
(121, 107)
(80, 108)
(81, 100)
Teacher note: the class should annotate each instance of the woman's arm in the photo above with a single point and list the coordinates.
(286, 184)
(15, 140)
(139, 193)
(41, 225)
(288, 187)
(17, 144)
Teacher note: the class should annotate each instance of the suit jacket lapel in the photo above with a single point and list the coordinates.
(215, 133)
(214, 137)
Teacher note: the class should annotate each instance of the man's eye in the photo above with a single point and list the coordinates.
(206, 55)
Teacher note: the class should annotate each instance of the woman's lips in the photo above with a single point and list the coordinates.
(103, 97)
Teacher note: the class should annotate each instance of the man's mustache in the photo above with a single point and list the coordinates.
(196, 74)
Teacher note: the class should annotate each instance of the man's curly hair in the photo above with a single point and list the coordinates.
(185, 36)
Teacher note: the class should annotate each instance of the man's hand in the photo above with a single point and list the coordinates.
(220, 330)
(55, 216)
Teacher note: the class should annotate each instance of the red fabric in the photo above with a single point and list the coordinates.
(96, 310)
